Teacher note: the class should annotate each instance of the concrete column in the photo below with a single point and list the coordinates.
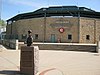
(98, 46)
(29, 60)
(36, 59)
(16, 44)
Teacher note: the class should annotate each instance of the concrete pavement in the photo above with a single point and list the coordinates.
(9, 61)
(53, 63)
(70, 62)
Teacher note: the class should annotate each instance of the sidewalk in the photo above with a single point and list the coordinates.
(53, 63)
(9, 61)
(69, 63)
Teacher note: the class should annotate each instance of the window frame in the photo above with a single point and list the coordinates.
(36, 37)
(87, 37)
(69, 37)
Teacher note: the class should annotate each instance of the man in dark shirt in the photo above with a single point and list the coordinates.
(30, 38)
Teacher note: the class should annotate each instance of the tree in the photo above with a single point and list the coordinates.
(2, 23)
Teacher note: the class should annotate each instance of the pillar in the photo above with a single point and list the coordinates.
(98, 47)
(16, 44)
(29, 60)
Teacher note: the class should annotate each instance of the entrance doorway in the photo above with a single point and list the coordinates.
(52, 38)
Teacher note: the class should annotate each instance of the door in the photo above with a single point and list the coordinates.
(52, 38)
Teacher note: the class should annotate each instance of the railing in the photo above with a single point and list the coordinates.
(13, 44)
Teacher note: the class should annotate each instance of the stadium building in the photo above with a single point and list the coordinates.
(66, 24)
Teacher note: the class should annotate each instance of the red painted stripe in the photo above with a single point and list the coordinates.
(43, 73)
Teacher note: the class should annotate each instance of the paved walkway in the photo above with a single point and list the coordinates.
(69, 62)
(9, 61)
(53, 63)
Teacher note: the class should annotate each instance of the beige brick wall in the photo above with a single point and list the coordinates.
(97, 30)
(14, 28)
(88, 26)
(8, 29)
(70, 26)
(36, 25)
(11, 29)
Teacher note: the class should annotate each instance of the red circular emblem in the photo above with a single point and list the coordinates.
(61, 30)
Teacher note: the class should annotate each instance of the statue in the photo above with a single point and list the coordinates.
(30, 38)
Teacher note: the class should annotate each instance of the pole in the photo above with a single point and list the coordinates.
(95, 31)
(44, 37)
(0, 17)
(79, 23)
(0, 8)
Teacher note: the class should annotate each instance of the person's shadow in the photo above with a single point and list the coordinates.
(10, 72)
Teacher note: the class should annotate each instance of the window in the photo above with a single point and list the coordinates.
(24, 36)
(88, 37)
(36, 36)
(69, 37)
(16, 36)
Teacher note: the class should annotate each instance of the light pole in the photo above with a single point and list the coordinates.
(79, 24)
(0, 8)
(44, 36)
(0, 16)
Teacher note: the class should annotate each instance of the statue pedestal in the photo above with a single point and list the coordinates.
(29, 60)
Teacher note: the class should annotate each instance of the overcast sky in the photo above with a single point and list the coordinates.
(11, 8)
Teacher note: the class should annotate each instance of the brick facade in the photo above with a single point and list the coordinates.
(83, 30)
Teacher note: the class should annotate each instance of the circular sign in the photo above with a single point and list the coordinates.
(61, 30)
